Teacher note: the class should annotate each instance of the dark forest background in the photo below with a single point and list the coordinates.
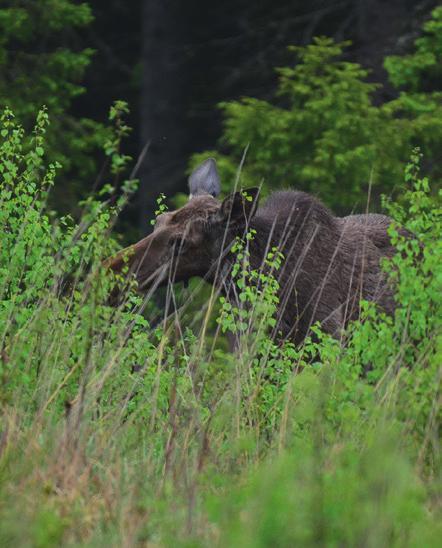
(173, 62)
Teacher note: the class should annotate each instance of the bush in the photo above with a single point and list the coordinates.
(326, 133)
(42, 64)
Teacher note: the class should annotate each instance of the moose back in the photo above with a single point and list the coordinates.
(330, 263)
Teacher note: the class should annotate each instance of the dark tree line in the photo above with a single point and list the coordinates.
(174, 61)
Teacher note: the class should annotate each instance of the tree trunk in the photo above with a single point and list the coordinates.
(161, 107)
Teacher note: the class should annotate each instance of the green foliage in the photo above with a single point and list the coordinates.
(119, 428)
(42, 65)
(417, 113)
(161, 207)
(412, 71)
(327, 134)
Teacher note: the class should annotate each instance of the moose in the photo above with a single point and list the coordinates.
(330, 263)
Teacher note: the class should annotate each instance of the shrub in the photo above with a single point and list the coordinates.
(326, 133)
(43, 65)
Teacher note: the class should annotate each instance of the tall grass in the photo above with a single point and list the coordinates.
(120, 426)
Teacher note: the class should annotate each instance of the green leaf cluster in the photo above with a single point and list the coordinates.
(326, 131)
(42, 64)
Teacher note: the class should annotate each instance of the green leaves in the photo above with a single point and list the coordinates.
(36, 71)
(326, 133)
(120, 130)
(119, 414)
(409, 71)
(161, 207)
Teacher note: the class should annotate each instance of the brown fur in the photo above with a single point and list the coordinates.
(330, 263)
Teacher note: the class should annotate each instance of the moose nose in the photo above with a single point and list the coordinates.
(123, 257)
(142, 257)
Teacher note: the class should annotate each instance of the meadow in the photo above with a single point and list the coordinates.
(131, 426)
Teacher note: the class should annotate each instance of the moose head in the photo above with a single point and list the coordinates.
(190, 241)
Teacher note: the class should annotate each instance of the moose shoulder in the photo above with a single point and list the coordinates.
(330, 263)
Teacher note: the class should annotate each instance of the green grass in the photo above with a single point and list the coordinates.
(117, 430)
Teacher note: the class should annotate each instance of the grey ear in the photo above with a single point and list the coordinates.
(205, 179)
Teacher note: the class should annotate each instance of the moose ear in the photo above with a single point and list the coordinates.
(205, 179)
(239, 207)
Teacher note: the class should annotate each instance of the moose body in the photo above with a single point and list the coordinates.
(329, 265)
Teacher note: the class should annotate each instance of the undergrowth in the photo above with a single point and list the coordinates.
(123, 427)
